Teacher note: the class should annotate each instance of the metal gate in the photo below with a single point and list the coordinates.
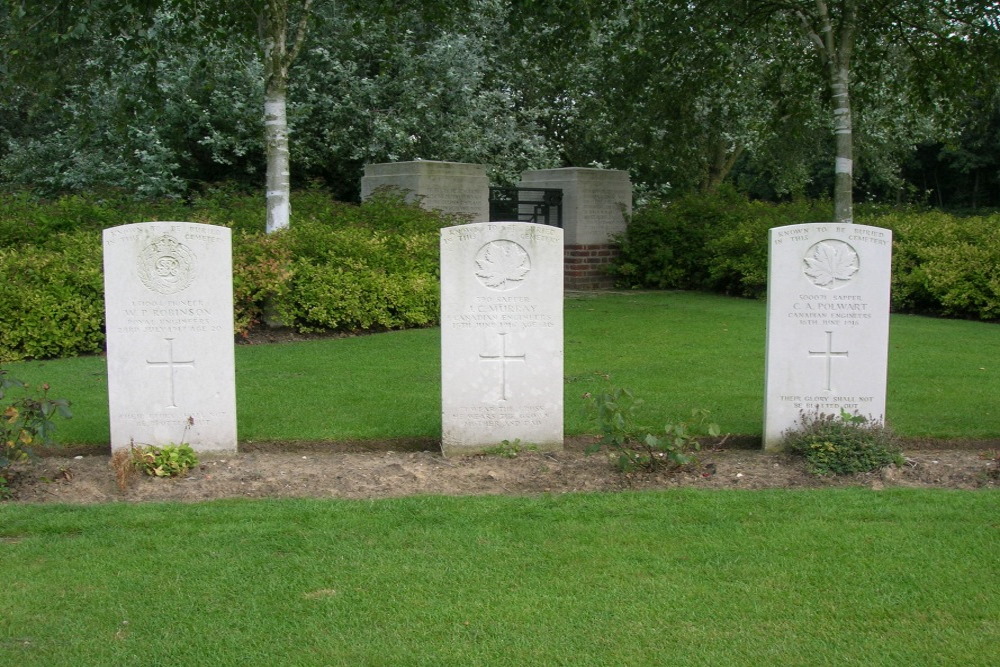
(538, 205)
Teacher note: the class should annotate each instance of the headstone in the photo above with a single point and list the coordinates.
(449, 187)
(501, 336)
(596, 205)
(168, 293)
(827, 323)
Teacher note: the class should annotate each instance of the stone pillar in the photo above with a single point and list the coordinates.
(449, 187)
(596, 205)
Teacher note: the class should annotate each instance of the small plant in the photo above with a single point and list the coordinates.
(615, 410)
(165, 461)
(24, 423)
(510, 450)
(844, 444)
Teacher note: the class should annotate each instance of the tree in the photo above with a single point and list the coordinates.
(121, 57)
(932, 43)
(278, 58)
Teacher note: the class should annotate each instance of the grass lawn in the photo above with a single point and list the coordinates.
(675, 350)
(685, 577)
(681, 577)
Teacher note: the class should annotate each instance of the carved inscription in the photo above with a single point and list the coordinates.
(168, 316)
(200, 418)
(829, 355)
(830, 310)
(457, 201)
(831, 264)
(171, 365)
(504, 359)
(503, 312)
(831, 403)
(501, 416)
(165, 265)
(502, 265)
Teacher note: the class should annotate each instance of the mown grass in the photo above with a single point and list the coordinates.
(839, 576)
(675, 350)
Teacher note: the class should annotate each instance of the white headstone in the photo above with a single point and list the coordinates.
(168, 292)
(827, 323)
(501, 336)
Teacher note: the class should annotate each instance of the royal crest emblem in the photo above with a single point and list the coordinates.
(166, 266)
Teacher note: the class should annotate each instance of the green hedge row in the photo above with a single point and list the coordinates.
(942, 264)
(339, 267)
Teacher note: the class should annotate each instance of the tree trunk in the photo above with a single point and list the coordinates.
(843, 178)
(278, 181)
(721, 162)
(835, 46)
(277, 62)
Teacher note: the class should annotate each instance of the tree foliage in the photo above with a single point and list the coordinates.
(157, 97)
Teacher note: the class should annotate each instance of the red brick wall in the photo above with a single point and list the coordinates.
(586, 266)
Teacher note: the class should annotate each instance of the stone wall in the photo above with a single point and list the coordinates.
(596, 206)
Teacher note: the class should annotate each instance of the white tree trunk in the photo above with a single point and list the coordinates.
(843, 178)
(834, 42)
(277, 62)
(278, 182)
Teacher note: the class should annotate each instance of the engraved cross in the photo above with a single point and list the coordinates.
(503, 358)
(171, 364)
(829, 354)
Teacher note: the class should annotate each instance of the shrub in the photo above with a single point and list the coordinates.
(163, 461)
(52, 298)
(944, 264)
(843, 445)
(339, 266)
(25, 423)
(25, 219)
(663, 246)
(262, 271)
(373, 266)
(614, 410)
(708, 241)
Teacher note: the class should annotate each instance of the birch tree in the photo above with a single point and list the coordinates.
(833, 40)
(279, 54)
(939, 47)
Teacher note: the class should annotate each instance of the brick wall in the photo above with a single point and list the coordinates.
(586, 266)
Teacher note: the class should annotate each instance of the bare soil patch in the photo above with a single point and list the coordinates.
(414, 467)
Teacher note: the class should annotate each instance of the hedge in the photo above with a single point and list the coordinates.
(942, 264)
(338, 267)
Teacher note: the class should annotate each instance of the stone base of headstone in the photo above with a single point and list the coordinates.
(450, 187)
(587, 266)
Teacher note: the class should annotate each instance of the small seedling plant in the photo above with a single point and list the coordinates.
(615, 411)
(164, 461)
(25, 422)
(843, 444)
(510, 449)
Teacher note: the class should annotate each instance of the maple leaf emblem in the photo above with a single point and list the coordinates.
(831, 262)
(501, 263)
